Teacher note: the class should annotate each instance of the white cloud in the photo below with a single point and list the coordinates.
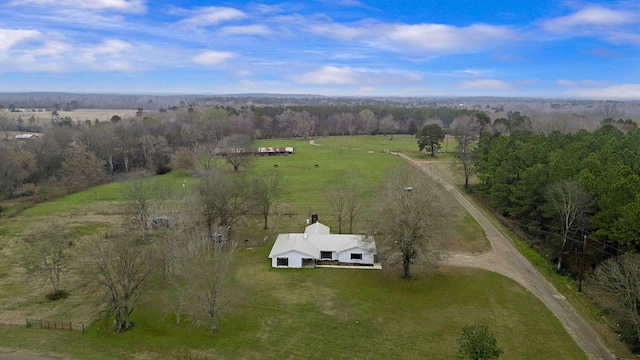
(474, 72)
(485, 84)
(111, 46)
(9, 38)
(345, 32)
(346, 75)
(575, 83)
(449, 39)
(52, 49)
(265, 9)
(331, 75)
(625, 37)
(593, 16)
(118, 65)
(432, 38)
(212, 15)
(131, 6)
(618, 92)
(110, 55)
(246, 30)
(213, 57)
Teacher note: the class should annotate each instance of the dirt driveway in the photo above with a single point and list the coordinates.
(19, 356)
(504, 259)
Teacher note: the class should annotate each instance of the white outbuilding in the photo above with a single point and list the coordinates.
(317, 246)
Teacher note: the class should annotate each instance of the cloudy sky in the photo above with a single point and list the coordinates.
(541, 48)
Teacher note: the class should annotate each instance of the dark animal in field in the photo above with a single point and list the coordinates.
(275, 165)
(317, 166)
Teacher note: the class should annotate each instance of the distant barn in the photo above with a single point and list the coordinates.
(262, 151)
(270, 151)
(26, 136)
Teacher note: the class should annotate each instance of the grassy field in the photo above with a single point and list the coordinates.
(79, 115)
(306, 313)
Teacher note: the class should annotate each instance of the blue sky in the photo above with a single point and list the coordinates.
(550, 49)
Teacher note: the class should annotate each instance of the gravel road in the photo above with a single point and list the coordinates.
(20, 356)
(504, 259)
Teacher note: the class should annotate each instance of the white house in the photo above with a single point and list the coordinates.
(317, 246)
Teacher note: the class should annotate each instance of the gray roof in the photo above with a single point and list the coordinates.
(317, 239)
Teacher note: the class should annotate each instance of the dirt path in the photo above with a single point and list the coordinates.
(504, 259)
(12, 355)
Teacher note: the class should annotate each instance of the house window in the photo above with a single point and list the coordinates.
(283, 261)
(356, 256)
(325, 254)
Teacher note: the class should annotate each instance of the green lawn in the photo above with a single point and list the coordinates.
(306, 313)
(320, 313)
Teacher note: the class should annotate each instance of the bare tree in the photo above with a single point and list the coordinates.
(388, 126)
(610, 110)
(81, 168)
(268, 190)
(347, 122)
(140, 196)
(102, 140)
(463, 135)
(156, 151)
(47, 256)
(174, 213)
(411, 218)
(119, 266)
(224, 198)
(571, 203)
(205, 270)
(368, 120)
(305, 123)
(16, 165)
(353, 202)
(203, 159)
(236, 150)
(616, 286)
(342, 197)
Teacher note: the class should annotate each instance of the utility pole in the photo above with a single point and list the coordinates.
(584, 248)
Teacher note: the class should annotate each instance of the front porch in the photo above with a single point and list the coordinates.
(346, 265)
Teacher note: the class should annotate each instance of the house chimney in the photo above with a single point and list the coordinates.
(305, 235)
(314, 218)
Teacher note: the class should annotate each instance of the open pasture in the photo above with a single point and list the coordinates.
(306, 313)
(320, 313)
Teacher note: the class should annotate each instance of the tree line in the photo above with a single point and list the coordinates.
(576, 199)
(72, 155)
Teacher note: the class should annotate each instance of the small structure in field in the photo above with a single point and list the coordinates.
(261, 151)
(26, 136)
(270, 151)
(318, 247)
(161, 222)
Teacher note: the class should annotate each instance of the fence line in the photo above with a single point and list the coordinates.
(56, 325)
